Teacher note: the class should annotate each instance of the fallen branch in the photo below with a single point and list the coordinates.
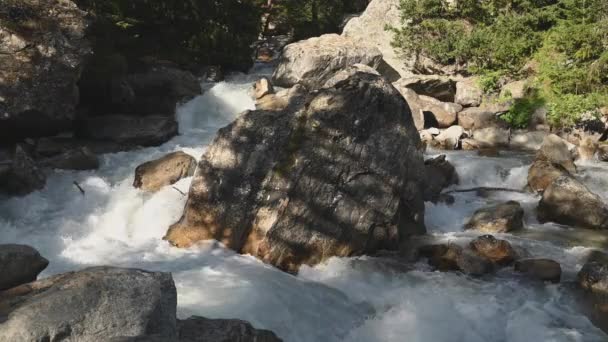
(79, 187)
(178, 190)
(484, 188)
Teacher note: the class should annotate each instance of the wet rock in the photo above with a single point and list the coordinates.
(500, 218)
(541, 269)
(154, 175)
(568, 201)
(42, 53)
(128, 130)
(455, 258)
(19, 264)
(95, 304)
(283, 99)
(200, 329)
(498, 251)
(369, 29)
(441, 114)
(542, 173)
(339, 175)
(414, 102)
(476, 118)
(449, 139)
(75, 159)
(593, 277)
(262, 88)
(557, 151)
(471, 263)
(492, 136)
(587, 148)
(468, 93)
(313, 61)
(440, 174)
(20, 176)
(441, 88)
(526, 140)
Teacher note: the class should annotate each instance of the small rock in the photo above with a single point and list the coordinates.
(21, 176)
(501, 218)
(541, 269)
(19, 264)
(154, 175)
(568, 201)
(212, 73)
(498, 251)
(76, 159)
(593, 277)
(425, 136)
(602, 152)
(434, 131)
(471, 263)
(489, 152)
(455, 258)
(262, 88)
(469, 144)
(282, 99)
(449, 139)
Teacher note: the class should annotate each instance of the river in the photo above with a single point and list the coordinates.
(346, 299)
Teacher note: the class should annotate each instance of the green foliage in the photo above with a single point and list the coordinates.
(567, 39)
(522, 110)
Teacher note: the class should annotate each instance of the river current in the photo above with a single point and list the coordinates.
(345, 299)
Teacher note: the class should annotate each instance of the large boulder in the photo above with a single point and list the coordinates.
(414, 102)
(442, 88)
(477, 118)
(492, 136)
(455, 258)
(20, 175)
(500, 218)
(19, 264)
(95, 304)
(441, 114)
(440, 174)
(542, 173)
(568, 201)
(369, 29)
(468, 92)
(557, 151)
(128, 130)
(42, 49)
(313, 61)
(155, 174)
(338, 176)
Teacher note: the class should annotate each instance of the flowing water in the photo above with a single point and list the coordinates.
(346, 299)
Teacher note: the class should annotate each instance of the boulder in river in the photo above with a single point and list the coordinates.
(570, 202)
(541, 269)
(498, 251)
(313, 61)
(19, 264)
(128, 130)
(20, 175)
(440, 174)
(542, 173)
(95, 304)
(593, 277)
(500, 218)
(155, 174)
(557, 151)
(338, 176)
(42, 51)
(452, 257)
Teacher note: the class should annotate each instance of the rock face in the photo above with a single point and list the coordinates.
(499, 252)
(21, 175)
(155, 174)
(541, 269)
(501, 218)
(369, 29)
(439, 175)
(568, 201)
(313, 61)
(455, 258)
(200, 329)
(128, 130)
(95, 304)
(19, 264)
(338, 176)
(42, 49)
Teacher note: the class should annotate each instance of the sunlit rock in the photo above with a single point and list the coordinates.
(167, 170)
(500, 218)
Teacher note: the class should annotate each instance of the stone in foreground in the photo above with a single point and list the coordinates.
(95, 304)
(498, 251)
(570, 202)
(500, 218)
(19, 264)
(339, 176)
(154, 175)
(540, 269)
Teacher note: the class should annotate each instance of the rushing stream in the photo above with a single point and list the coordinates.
(356, 299)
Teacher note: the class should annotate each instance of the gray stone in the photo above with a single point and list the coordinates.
(500, 218)
(568, 201)
(468, 92)
(441, 88)
(95, 304)
(557, 151)
(19, 264)
(21, 175)
(313, 61)
(439, 175)
(339, 175)
(477, 118)
(155, 174)
(542, 173)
